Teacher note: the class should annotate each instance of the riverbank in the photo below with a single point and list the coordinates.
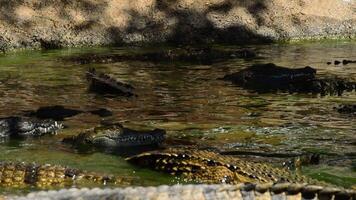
(38, 24)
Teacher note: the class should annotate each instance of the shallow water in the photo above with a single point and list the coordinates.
(191, 104)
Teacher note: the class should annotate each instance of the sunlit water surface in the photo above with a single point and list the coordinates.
(190, 103)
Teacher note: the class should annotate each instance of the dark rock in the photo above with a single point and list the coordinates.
(59, 113)
(54, 112)
(104, 84)
(336, 62)
(271, 78)
(329, 63)
(102, 112)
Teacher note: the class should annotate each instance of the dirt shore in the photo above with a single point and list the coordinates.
(34, 24)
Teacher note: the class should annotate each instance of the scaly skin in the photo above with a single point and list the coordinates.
(19, 174)
(21, 126)
(281, 191)
(116, 136)
(209, 167)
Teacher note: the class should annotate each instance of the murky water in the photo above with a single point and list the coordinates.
(190, 103)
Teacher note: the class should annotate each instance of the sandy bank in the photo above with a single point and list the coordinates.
(63, 23)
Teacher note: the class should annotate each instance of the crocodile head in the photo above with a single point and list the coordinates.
(116, 136)
(19, 126)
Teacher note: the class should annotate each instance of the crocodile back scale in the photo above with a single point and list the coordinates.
(279, 191)
(209, 167)
(19, 174)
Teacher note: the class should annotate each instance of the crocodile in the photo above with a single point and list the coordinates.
(199, 55)
(104, 84)
(21, 126)
(20, 174)
(244, 191)
(270, 78)
(116, 136)
(208, 167)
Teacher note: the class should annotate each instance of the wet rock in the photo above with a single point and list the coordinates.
(104, 84)
(200, 55)
(272, 78)
(59, 113)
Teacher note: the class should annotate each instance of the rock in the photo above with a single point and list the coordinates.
(32, 24)
(59, 113)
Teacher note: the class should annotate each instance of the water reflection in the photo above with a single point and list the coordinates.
(186, 100)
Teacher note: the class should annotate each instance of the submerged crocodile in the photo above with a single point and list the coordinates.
(22, 126)
(104, 84)
(19, 174)
(270, 77)
(116, 136)
(209, 167)
(277, 191)
(200, 55)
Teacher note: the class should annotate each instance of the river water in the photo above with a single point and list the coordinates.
(191, 104)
